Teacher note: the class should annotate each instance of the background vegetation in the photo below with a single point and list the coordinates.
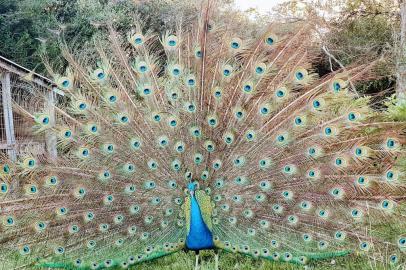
(359, 30)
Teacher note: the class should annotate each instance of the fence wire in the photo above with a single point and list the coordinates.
(32, 99)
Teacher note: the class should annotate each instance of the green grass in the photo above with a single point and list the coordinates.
(182, 260)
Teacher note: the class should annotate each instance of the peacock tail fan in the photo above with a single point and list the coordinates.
(294, 167)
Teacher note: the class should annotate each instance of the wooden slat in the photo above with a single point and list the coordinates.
(8, 115)
(21, 71)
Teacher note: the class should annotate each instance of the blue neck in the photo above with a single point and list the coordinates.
(199, 237)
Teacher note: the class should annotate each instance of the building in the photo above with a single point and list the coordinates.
(24, 90)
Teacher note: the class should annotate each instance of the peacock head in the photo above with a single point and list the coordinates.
(192, 187)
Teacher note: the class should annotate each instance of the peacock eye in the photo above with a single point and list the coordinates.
(112, 99)
(25, 250)
(3, 188)
(31, 163)
(82, 106)
(45, 120)
(235, 45)
(10, 221)
(124, 119)
(259, 70)
(6, 168)
(172, 41)
(65, 83)
(280, 93)
(247, 88)
(299, 75)
(269, 40)
(390, 143)
(191, 82)
(393, 259)
(336, 86)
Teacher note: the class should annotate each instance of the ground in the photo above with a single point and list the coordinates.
(185, 261)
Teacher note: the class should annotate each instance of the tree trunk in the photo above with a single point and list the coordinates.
(401, 63)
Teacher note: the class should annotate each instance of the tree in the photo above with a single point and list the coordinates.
(358, 31)
(31, 29)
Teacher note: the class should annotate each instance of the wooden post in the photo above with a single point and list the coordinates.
(401, 63)
(50, 136)
(8, 115)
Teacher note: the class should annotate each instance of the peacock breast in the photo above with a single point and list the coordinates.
(199, 223)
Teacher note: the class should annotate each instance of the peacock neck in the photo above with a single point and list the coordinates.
(199, 237)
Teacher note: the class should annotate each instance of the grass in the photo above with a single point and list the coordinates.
(228, 261)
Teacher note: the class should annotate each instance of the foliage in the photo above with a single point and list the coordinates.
(359, 31)
(18, 32)
(34, 28)
(363, 32)
(396, 110)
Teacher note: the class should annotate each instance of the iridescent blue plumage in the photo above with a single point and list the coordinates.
(199, 237)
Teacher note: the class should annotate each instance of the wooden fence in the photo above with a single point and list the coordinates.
(36, 94)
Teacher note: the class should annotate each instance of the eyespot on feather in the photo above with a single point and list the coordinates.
(171, 42)
(65, 83)
(338, 85)
(270, 40)
(235, 44)
(137, 40)
(301, 76)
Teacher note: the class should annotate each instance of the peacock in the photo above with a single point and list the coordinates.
(205, 137)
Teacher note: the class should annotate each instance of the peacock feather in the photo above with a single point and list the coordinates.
(205, 137)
